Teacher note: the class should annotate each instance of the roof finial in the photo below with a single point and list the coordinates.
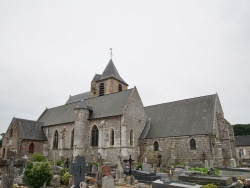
(111, 54)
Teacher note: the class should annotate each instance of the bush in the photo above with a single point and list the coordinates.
(209, 186)
(59, 163)
(138, 166)
(37, 157)
(38, 173)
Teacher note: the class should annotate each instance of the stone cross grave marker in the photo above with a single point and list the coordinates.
(159, 159)
(78, 170)
(130, 160)
(108, 182)
(8, 172)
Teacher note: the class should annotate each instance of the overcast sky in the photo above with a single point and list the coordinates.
(169, 50)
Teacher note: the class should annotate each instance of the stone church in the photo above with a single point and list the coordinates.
(110, 120)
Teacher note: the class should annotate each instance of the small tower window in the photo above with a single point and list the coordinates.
(119, 88)
(94, 136)
(55, 140)
(192, 144)
(31, 148)
(72, 139)
(11, 132)
(131, 140)
(101, 89)
(156, 146)
(112, 137)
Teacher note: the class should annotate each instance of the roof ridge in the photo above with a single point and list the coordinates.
(180, 100)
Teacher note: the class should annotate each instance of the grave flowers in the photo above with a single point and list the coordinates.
(245, 182)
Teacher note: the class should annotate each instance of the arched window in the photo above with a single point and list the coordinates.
(55, 140)
(131, 138)
(31, 148)
(192, 144)
(72, 139)
(11, 132)
(3, 154)
(94, 136)
(156, 146)
(112, 137)
(119, 87)
(101, 89)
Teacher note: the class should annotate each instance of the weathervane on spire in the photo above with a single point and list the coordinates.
(111, 54)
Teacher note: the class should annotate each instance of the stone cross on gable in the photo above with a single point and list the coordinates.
(78, 170)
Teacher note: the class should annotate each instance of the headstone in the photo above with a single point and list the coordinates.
(154, 168)
(130, 180)
(78, 170)
(119, 170)
(10, 173)
(94, 168)
(108, 182)
(211, 164)
(83, 185)
(232, 162)
(146, 167)
(106, 170)
(130, 160)
(100, 164)
(98, 179)
(159, 156)
(168, 162)
(206, 164)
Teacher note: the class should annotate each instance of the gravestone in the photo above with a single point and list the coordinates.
(94, 168)
(98, 179)
(119, 170)
(8, 169)
(146, 167)
(108, 182)
(130, 160)
(78, 170)
(159, 156)
(130, 180)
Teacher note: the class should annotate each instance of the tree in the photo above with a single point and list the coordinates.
(37, 157)
(38, 173)
(241, 129)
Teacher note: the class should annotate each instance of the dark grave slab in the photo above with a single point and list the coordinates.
(78, 169)
(195, 164)
(203, 180)
(144, 177)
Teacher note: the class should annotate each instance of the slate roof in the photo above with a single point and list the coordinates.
(186, 117)
(109, 72)
(59, 115)
(243, 140)
(102, 106)
(79, 97)
(30, 130)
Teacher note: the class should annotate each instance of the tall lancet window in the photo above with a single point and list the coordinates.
(31, 148)
(119, 88)
(72, 139)
(101, 89)
(112, 137)
(94, 136)
(131, 140)
(156, 146)
(55, 140)
(192, 144)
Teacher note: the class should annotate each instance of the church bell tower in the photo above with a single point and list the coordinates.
(108, 82)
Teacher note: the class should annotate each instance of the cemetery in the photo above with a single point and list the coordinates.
(76, 173)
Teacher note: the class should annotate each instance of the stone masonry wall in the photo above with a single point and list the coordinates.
(25, 144)
(64, 150)
(177, 149)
